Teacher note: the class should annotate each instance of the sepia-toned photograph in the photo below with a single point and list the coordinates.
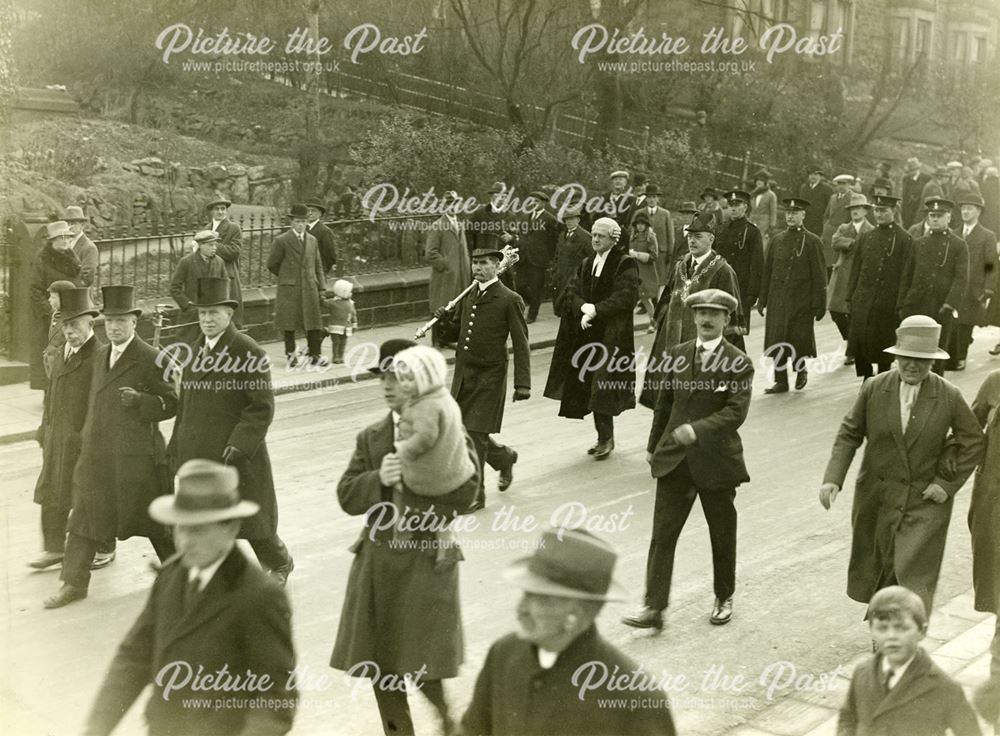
(362, 365)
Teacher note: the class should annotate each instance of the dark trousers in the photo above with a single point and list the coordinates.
(843, 322)
(531, 285)
(958, 347)
(781, 374)
(490, 452)
(54, 518)
(605, 426)
(394, 708)
(737, 341)
(949, 326)
(314, 342)
(271, 552)
(864, 370)
(675, 494)
(80, 553)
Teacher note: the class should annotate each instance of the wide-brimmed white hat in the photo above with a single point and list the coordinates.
(917, 337)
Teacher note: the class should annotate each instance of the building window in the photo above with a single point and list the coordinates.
(900, 41)
(978, 50)
(923, 40)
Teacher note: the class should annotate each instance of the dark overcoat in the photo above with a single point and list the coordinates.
(227, 400)
(122, 465)
(89, 258)
(241, 621)
(325, 242)
(983, 270)
(793, 291)
(874, 290)
(184, 283)
(571, 251)
(896, 530)
(447, 253)
(229, 249)
(63, 415)
(608, 386)
(537, 244)
(818, 197)
(913, 187)
(301, 282)
(984, 511)
(399, 611)
(49, 266)
(740, 243)
(516, 696)
(935, 273)
(479, 384)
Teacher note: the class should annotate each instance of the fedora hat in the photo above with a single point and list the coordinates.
(387, 351)
(298, 210)
(971, 198)
(204, 492)
(917, 337)
(219, 200)
(568, 563)
(575, 211)
(74, 303)
(314, 202)
(712, 299)
(118, 301)
(857, 200)
(213, 291)
(57, 229)
(688, 207)
(709, 192)
(74, 214)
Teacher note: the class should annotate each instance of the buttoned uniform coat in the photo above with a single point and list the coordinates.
(896, 532)
(399, 611)
(740, 243)
(913, 188)
(63, 415)
(610, 388)
(793, 291)
(515, 696)
(229, 249)
(241, 621)
(983, 270)
(325, 243)
(571, 250)
(835, 216)
(874, 290)
(479, 384)
(301, 281)
(844, 244)
(984, 511)
(227, 400)
(184, 282)
(50, 265)
(925, 702)
(447, 253)
(86, 253)
(818, 198)
(715, 401)
(662, 225)
(123, 465)
(936, 273)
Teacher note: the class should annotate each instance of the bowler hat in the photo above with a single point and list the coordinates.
(917, 337)
(204, 492)
(314, 202)
(652, 190)
(816, 170)
(857, 200)
(74, 214)
(688, 207)
(938, 204)
(387, 351)
(701, 224)
(568, 563)
(298, 210)
(882, 183)
(74, 303)
(57, 229)
(973, 199)
(213, 291)
(205, 236)
(118, 301)
(709, 192)
(795, 203)
(220, 200)
(712, 299)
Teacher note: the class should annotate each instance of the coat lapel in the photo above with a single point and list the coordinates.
(213, 599)
(125, 362)
(895, 421)
(923, 407)
(64, 368)
(210, 366)
(912, 685)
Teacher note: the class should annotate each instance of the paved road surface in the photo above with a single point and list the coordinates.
(790, 602)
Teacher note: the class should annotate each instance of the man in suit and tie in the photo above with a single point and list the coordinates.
(662, 225)
(694, 451)
(537, 249)
(914, 182)
(983, 271)
(210, 612)
(315, 210)
(229, 249)
(83, 246)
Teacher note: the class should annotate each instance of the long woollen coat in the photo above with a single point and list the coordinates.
(399, 611)
(984, 512)
(122, 465)
(895, 529)
(983, 269)
(610, 388)
(844, 244)
(227, 399)
(447, 253)
(301, 280)
(229, 249)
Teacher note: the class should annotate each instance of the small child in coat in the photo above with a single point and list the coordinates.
(900, 691)
(342, 317)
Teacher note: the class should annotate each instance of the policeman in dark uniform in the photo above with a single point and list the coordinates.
(936, 274)
(490, 314)
(740, 243)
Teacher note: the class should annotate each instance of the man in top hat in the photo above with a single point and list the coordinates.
(914, 182)
(447, 253)
(661, 224)
(226, 407)
(201, 263)
(793, 291)
(836, 215)
(873, 288)
(315, 211)
(401, 608)
(490, 314)
(596, 315)
(63, 414)
(229, 248)
(83, 246)
(209, 611)
(122, 464)
(741, 244)
(491, 226)
(762, 210)
(694, 450)
(550, 677)
(983, 271)
(537, 250)
(817, 193)
(572, 248)
(908, 420)
(683, 216)
(295, 260)
(936, 274)
(844, 242)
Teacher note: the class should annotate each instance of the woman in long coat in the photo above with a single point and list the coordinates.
(646, 251)
(984, 513)
(909, 476)
(56, 261)
(295, 260)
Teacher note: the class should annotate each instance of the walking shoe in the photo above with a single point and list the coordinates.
(280, 574)
(960, 365)
(47, 559)
(507, 472)
(477, 505)
(849, 360)
(721, 612)
(801, 379)
(603, 449)
(778, 388)
(647, 618)
(66, 595)
(102, 559)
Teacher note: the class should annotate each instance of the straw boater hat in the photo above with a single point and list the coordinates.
(57, 229)
(712, 299)
(204, 492)
(918, 337)
(75, 303)
(119, 301)
(568, 563)
(620, 173)
(213, 291)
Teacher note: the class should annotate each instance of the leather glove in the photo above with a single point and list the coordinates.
(521, 393)
(128, 395)
(440, 312)
(233, 456)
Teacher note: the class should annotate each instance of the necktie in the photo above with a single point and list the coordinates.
(116, 353)
(699, 358)
(887, 678)
(191, 592)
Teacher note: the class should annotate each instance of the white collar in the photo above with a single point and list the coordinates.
(709, 345)
(967, 228)
(121, 348)
(485, 285)
(547, 659)
(897, 672)
(699, 260)
(858, 225)
(210, 344)
(205, 574)
(216, 223)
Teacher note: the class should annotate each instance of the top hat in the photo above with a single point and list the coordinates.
(712, 299)
(709, 192)
(641, 217)
(497, 188)
(118, 301)
(213, 291)
(938, 204)
(700, 224)
(314, 202)
(387, 351)
(219, 200)
(762, 174)
(688, 207)
(568, 563)
(737, 195)
(973, 199)
(652, 190)
(487, 252)
(204, 492)
(205, 236)
(74, 214)
(57, 229)
(885, 200)
(616, 174)
(795, 203)
(298, 210)
(74, 303)
(917, 337)
(857, 200)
